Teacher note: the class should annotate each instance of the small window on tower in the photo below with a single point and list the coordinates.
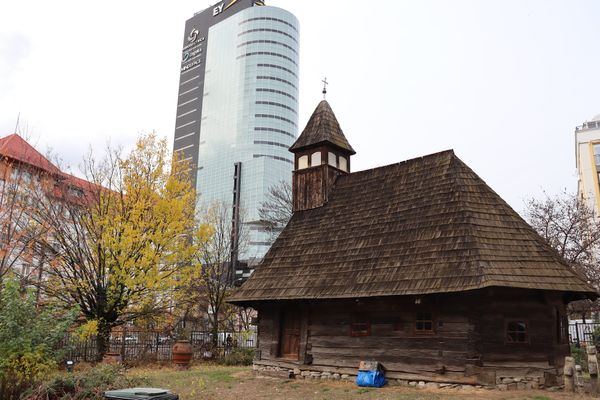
(315, 159)
(303, 162)
(343, 164)
(332, 160)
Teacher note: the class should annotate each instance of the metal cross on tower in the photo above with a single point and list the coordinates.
(325, 83)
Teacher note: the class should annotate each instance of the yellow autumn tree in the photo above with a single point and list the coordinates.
(121, 247)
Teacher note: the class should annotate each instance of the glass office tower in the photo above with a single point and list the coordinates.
(237, 112)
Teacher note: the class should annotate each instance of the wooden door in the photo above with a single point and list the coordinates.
(290, 335)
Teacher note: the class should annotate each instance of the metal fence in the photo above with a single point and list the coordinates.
(581, 333)
(142, 345)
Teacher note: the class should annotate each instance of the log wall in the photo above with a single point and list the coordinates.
(544, 354)
(311, 186)
(467, 346)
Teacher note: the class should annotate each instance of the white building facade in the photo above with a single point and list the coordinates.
(587, 157)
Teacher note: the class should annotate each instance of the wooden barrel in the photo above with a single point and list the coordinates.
(111, 358)
(181, 353)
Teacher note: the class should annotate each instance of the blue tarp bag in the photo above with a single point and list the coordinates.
(370, 379)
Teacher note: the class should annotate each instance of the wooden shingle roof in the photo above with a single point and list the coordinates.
(427, 225)
(322, 127)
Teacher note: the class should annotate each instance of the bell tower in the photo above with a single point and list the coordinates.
(321, 154)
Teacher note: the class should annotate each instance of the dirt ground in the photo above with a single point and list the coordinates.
(224, 383)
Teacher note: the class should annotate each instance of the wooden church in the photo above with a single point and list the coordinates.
(418, 265)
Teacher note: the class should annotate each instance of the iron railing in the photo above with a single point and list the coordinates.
(139, 345)
(582, 333)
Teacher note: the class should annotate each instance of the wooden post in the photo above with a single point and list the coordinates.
(569, 374)
(593, 368)
(123, 336)
(276, 332)
(85, 350)
(157, 344)
(578, 378)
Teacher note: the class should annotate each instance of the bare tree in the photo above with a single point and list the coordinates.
(570, 227)
(244, 316)
(276, 210)
(18, 184)
(215, 246)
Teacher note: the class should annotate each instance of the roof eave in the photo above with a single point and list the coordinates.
(574, 294)
(295, 149)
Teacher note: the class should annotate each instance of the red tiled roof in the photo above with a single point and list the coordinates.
(75, 190)
(78, 182)
(15, 147)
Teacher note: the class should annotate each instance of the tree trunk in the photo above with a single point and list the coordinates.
(103, 339)
(215, 330)
(39, 278)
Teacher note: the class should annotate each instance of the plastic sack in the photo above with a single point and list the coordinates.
(370, 379)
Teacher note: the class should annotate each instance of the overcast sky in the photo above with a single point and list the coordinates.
(503, 83)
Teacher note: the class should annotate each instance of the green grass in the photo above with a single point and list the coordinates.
(219, 375)
(193, 382)
(212, 374)
(215, 382)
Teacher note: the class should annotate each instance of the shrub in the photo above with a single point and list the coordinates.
(596, 336)
(28, 340)
(580, 356)
(90, 384)
(239, 356)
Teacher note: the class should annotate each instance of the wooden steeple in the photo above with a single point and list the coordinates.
(321, 154)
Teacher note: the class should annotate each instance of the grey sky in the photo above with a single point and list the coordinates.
(503, 83)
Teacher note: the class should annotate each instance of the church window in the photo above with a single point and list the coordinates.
(424, 322)
(360, 327)
(516, 331)
(332, 159)
(343, 163)
(315, 159)
(303, 162)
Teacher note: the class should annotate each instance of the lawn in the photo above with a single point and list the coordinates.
(223, 383)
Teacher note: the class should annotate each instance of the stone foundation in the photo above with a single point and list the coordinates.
(522, 383)
(502, 383)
